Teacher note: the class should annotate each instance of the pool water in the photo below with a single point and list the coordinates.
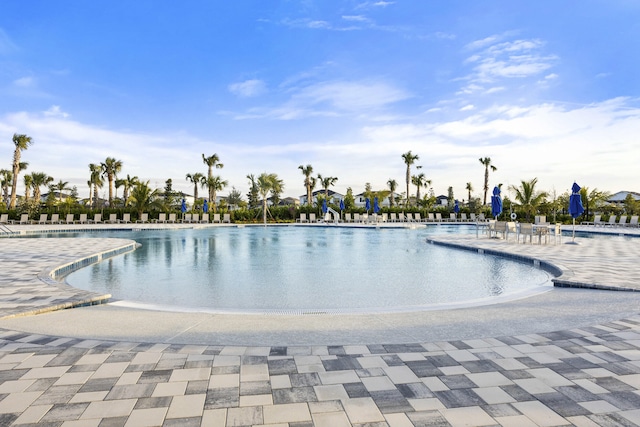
(302, 268)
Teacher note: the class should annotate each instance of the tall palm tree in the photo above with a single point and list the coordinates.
(143, 198)
(39, 179)
(327, 182)
(528, 198)
(95, 182)
(268, 183)
(486, 161)
(215, 184)
(6, 176)
(309, 181)
(253, 191)
(393, 185)
(127, 183)
(21, 142)
(409, 159)
(212, 161)
(110, 168)
(469, 189)
(196, 179)
(419, 181)
(60, 187)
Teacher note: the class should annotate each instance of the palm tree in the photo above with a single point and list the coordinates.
(60, 187)
(268, 183)
(253, 191)
(39, 179)
(528, 198)
(469, 189)
(110, 168)
(309, 181)
(127, 183)
(409, 159)
(215, 184)
(327, 182)
(212, 161)
(143, 198)
(28, 182)
(6, 176)
(22, 142)
(393, 184)
(196, 179)
(486, 161)
(95, 182)
(419, 181)
(592, 199)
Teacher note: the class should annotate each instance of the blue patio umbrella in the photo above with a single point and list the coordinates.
(496, 203)
(341, 204)
(376, 206)
(575, 207)
(367, 204)
(205, 206)
(183, 207)
(456, 207)
(324, 206)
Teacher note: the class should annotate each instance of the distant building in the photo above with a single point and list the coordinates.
(620, 196)
(289, 201)
(333, 197)
(360, 200)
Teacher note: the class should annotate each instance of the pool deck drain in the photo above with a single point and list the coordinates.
(496, 365)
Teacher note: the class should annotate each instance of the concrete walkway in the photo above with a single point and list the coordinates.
(563, 357)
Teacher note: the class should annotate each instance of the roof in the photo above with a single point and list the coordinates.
(620, 196)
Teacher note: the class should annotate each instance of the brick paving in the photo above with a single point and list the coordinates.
(583, 376)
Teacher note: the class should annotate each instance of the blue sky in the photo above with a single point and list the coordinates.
(546, 89)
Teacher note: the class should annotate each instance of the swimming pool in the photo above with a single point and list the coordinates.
(308, 269)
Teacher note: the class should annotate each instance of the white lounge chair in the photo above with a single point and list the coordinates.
(431, 217)
(144, 217)
(186, 218)
(83, 219)
(43, 219)
(126, 218)
(633, 222)
(303, 218)
(596, 220)
(472, 217)
(612, 220)
(4, 219)
(463, 217)
(113, 218)
(172, 218)
(526, 230)
(24, 219)
(205, 218)
(55, 219)
(216, 217)
(356, 217)
(195, 217)
(226, 218)
(312, 217)
(438, 217)
(97, 219)
(162, 217)
(453, 217)
(623, 221)
(69, 219)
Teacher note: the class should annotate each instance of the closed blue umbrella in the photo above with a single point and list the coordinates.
(496, 203)
(341, 204)
(575, 207)
(456, 207)
(205, 206)
(367, 204)
(376, 206)
(183, 207)
(324, 206)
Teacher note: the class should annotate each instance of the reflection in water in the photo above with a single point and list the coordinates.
(301, 268)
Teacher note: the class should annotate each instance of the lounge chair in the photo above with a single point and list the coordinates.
(144, 217)
(195, 217)
(24, 219)
(431, 217)
(55, 219)
(472, 217)
(172, 218)
(186, 218)
(463, 217)
(512, 228)
(83, 219)
(453, 217)
(226, 218)
(364, 218)
(312, 217)
(347, 217)
(612, 221)
(438, 217)
(69, 219)
(526, 229)
(205, 218)
(383, 217)
(126, 218)
(43, 219)
(417, 217)
(303, 218)
(162, 218)
(356, 217)
(633, 222)
(596, 221)
(4, 219)
(216, 218)
(113, 218)
(557, 233)
(97, 219)
(393, 217)
(622, 222)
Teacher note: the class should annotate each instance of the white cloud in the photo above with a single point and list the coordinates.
(56, 111)
(248, 88)
(25, 82)
(468, 107)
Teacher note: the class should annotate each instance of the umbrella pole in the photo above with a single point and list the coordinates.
(573, 238)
